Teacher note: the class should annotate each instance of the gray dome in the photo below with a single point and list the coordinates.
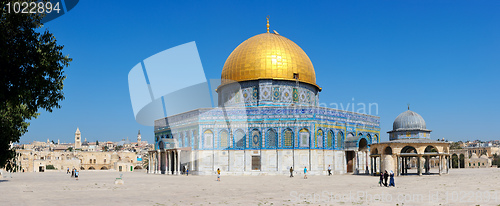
(408, 120)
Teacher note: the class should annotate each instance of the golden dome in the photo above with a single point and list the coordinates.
(268, 56)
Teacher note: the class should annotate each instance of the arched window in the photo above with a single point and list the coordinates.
(369, 138)
(340, 140)
(239, 139)
(256, 138)
(304, 137)
(288, 140)
(319, 138)
(272, 138)
(208, 137)
(375, 139)
(224, 136)
(329, 139)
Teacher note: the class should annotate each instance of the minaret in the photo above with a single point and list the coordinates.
(78, 139)
(139, 138)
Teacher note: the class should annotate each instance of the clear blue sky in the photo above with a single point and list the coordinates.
(442, 57)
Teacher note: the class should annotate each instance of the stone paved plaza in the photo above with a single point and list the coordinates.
(461, 186)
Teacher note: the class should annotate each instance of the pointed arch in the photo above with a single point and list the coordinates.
(304, 137)
(223, 139)
(256, 138)
(319, 139)
(272, 138)
(340, 140)
(362, 144)
(239, 139)
(288, 138)
(330, 139)
(208, 137)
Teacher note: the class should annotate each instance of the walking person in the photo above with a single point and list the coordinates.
(386, 176)
(291, 171)
(67, 171)
(305, 172)
(391, 182)
(218, 174)
(73, 172)
(76, 174)
(329, 170)
(381, 181)
(187, 171)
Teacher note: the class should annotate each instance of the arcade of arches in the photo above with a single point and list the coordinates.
(411, 157)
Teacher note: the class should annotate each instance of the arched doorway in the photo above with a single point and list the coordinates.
(430, 154)
(362, 161)
(104, 168)
(408, 154)
(91, 168)
(454, 161)
(363, 144)
(388, 150)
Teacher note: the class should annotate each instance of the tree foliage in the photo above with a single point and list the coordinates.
(456, 145)
(31, 74)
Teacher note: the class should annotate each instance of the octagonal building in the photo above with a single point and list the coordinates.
(267, 121)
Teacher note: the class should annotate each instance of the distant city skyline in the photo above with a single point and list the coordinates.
(439, 57)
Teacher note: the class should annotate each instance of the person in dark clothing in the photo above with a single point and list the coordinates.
(291, 171)
(391, 181)
(386, 176)
(381, 181)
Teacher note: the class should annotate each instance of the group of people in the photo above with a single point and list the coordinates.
(185, 170)
(384, 176)
(383, 179)
(305, 171)
(74, 173)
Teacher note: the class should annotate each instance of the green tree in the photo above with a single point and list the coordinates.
(97, 143)
(50, 167)
(70, 149)
(455, 145)
(31, 74)
(118, 148)
(496, 159)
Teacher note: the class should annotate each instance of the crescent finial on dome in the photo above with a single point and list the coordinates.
(267, 23)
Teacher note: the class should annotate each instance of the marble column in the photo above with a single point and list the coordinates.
(398, 165)
(191, 163)
(149, 163)
(371, 164)
(440, 163)
(178, 162)
(158, 161)
(419, 163)
(169, 164)
(165, 168)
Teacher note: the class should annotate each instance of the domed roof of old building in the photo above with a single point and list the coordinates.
(268, 56)
(408, 120)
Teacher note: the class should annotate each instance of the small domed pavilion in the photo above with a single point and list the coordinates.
(410, 149)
